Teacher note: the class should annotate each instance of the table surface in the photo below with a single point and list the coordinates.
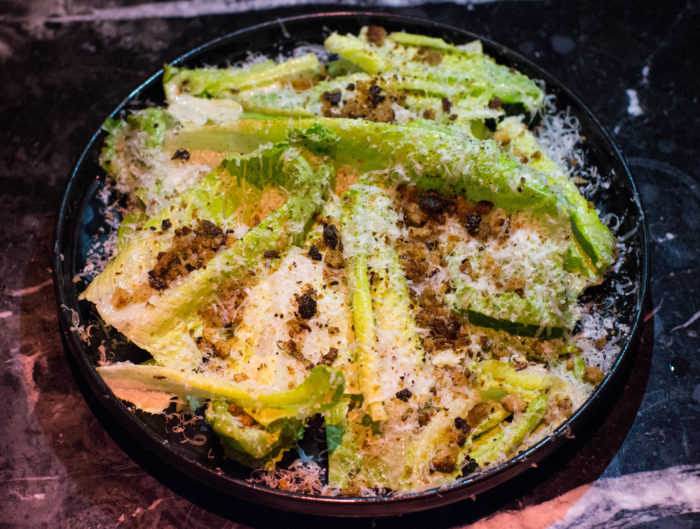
(63, 66)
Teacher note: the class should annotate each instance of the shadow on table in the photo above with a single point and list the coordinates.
(126, 495)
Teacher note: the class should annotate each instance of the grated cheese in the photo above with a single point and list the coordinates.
(525, 247)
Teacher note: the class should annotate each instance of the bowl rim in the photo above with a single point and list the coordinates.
(340, 505)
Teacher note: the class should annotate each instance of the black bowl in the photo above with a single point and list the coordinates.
(82, 220)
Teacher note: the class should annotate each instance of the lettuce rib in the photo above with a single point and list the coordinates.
(321, 388)
(431, 156)
(503, 440)
(148, 323)
(593, 240)
(278, 415)
(390, 355)
(223, 83)
(401, 53)
(363, 315)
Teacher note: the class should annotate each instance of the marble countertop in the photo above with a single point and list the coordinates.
(64, 64)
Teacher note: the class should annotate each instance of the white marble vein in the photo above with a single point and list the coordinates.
(56, 12)
(616, 502)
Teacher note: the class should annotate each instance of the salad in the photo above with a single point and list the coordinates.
(378, 245)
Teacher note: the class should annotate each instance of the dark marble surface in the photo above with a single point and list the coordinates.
(64, 66)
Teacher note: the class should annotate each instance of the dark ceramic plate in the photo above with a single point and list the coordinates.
(82, 220)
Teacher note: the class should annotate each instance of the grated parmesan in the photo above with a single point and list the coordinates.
(527, 247)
